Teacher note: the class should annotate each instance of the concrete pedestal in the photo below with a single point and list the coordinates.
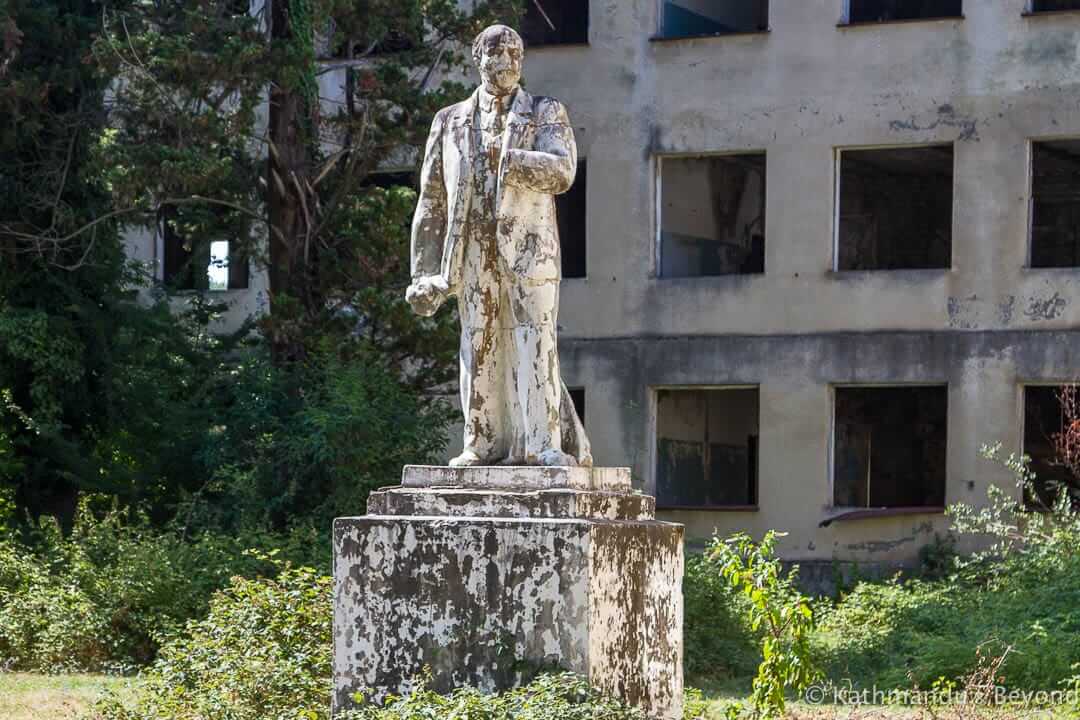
(491, 575)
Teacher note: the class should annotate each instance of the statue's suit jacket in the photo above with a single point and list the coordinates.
(538, 160)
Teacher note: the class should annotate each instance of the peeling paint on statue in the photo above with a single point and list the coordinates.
(485, 231)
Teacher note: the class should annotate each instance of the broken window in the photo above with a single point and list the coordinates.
(712, 215)
(1049, 412)
(555, 22)
(1052, 5)
(895, 209)
(860, 11)
(577, 396)
(889, 447)
(692, 18)
(707, 448)
(1055, 204)
(194, 264)
(570, 214)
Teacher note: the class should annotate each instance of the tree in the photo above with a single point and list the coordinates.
(188, 134)
(89, 378)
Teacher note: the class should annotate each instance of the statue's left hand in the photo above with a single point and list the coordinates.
(427, 294)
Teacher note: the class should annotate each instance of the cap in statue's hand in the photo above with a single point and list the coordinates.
(427, 294)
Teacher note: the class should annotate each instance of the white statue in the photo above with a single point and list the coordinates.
(485, 232)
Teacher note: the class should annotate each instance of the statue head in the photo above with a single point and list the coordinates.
(498, 52)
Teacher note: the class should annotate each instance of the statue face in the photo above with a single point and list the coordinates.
(500, 63)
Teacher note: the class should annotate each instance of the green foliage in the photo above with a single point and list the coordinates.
(261, 653)
(718, 642)
(104, 597)
(1020, 592)
(302, 444)
(778, 611)
(564, 696)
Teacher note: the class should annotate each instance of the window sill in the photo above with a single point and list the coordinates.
(1045, 13)
(705, 36)
(845, 514)
(709, 508)
(899, 273)
(906, 21)
(1051, 268)
(723, 277)
(540, 46)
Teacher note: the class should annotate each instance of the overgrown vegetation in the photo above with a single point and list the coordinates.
(1022, 592)
(103, 597)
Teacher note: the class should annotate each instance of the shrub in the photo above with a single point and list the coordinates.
(105, 597)
(718, 642)
(1023, 592)
(777, 611)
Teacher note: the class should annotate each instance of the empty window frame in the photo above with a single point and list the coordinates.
(577, 396)
(1055, 204)
(193, 264)
(694, 18)
(555, 22)
(894, 208)
(1038, 6)
(889, 446)
(707, 448)
(870, 11)
(570, 214)
(711, 215)
(1049, 411)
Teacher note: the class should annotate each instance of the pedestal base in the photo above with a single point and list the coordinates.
(490, 587)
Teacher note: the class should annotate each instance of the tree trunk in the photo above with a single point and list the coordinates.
(288, 164)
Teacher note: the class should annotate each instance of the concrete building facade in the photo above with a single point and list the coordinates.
(923, 285)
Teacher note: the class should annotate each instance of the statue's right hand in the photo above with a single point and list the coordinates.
(426, 295)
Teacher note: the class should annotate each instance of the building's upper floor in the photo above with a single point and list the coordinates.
(785, 228)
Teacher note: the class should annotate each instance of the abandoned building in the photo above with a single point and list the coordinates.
(823, 252)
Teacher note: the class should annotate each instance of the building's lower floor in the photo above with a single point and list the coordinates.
(852, 443)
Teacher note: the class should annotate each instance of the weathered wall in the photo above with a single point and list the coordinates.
(145, 247)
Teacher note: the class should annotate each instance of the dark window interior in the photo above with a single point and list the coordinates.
(570, 214)
(402, 32)
(1055, 204)
(707, 448)
(895, 209)
(577, 395)
(888, 10)
(692, 18)
(1044, 420)
(712, 217)
(555, 22)
(890, 445)
(1052, 5)
(199, 264)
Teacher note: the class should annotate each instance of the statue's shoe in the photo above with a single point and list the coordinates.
(556, 458)
(467, 459)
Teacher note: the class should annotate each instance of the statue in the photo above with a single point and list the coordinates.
(485, 232)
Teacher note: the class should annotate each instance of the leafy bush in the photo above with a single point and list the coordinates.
(105, 597)
(262, 652)
(1023, 592)
(718, 642)
(777, 611)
